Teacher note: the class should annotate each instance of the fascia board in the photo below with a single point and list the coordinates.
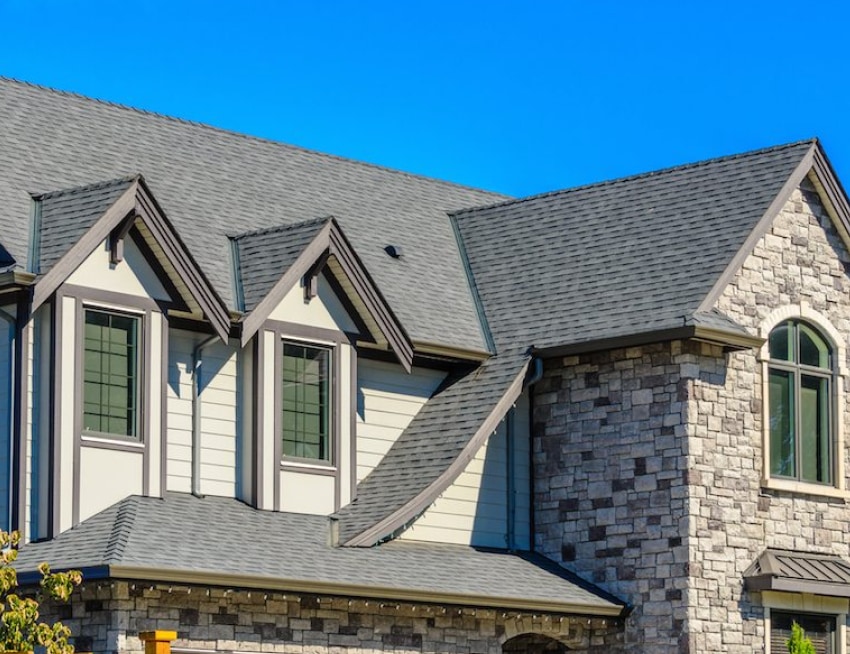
(147, 574)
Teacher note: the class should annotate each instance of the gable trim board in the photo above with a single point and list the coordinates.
(413, 507)
(139, 200)
(328, 241)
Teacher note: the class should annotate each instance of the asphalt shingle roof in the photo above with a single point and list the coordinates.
(266, 254)
(623, 257)
(431, 442)
(229, 536)
(212, 183)
(68, 214)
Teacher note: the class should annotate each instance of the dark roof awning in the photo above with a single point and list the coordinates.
(799, 572)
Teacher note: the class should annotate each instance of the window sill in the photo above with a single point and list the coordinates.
(803, 488)
(109, 441)
(308, 465)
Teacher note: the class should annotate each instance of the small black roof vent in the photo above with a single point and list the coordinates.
(394, 251)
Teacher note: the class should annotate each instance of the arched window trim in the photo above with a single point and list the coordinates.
(804, 313)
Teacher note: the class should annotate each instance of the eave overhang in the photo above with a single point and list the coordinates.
(330, 248)
(137, 203)
(198, 577)
(736, 340)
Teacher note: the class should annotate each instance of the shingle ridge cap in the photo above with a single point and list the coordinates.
(86, 187)
(122, 528)
(251, 137)
(630, 178)
(286, 227)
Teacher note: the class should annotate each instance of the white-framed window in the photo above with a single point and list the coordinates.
(111, 375)
(803, 374)
(819, 628)
(307, 392)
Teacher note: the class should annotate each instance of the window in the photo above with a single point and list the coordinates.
(111, 373)
(306, 402)
(820, 629)
(800, 396)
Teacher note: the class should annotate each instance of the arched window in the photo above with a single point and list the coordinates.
(801, 380)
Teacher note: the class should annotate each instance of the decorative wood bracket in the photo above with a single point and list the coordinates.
(311, 277)
(116, 238)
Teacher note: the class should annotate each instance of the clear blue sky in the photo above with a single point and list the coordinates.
(519, 97)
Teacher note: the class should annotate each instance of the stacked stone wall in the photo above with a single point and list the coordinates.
(610, 448)
(108, 616)
(800, 264)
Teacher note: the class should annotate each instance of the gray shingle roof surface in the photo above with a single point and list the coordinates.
(618, 258)
(432, 442)
(215, 534)
(265, 255)
(212, 183)
(68, 214)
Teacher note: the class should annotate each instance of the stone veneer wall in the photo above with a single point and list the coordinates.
(610, 472)
(800, 260)
(107, 617)
(648, 460)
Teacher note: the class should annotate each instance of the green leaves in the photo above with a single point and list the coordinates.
(20, 629)
(799, 643)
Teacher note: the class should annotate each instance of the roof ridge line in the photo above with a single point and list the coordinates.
(223, 130)
(629, 178)
(122, 528)
(280, 228)
(85, 187)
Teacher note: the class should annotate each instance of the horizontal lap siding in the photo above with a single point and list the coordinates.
(218, 379)
(387, 400)
(474, 509)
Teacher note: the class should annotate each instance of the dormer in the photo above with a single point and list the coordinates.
(111, 274)
(309, 305)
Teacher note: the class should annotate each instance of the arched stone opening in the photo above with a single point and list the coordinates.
(533, 644)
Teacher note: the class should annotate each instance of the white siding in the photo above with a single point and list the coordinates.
(324, 310)
(474, 509)
(304, 492)
(132, 276)
(107, 477)
(218, 391)
(7, 357)
(387, 400)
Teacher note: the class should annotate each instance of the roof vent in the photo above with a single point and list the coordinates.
(394, 251)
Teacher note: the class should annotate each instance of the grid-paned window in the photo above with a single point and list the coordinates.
(820, 629)
(800, 379)
(306, 401)
(111, 373)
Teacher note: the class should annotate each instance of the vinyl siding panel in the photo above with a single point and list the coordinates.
(474, 509)
(218, 414)
(387, 400)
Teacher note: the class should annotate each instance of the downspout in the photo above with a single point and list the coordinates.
(536, 376)
(511, 485)
(196, 415)
(13, 398)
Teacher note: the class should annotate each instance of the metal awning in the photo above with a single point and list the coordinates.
(799, 572)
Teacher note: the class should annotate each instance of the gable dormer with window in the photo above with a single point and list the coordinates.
(111, 275)
(309, 304)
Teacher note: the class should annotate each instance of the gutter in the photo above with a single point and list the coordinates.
(198, 577)
(17, 278)
(197, 362)
(717, 336)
